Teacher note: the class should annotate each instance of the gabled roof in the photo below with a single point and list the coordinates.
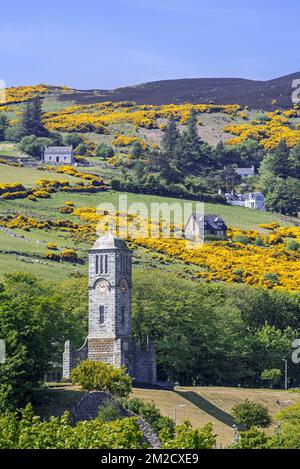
(212, 222)
(245, 171)
(59, 150)
(254, 195)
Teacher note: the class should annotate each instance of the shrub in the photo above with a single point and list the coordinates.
(251, 414)
(41, 194)
(253, 439)
(109, 412)
(100, 376)
(104, 151)
(14, 195)
(69, 255)
(27, 431)
(259, 241)
(66, 209)
(13, 187)
(272, 375)
(273, 279)
(52, 256)
(293, 245)
(52, 246)
(150, 413)
(187, 437)
(241, 239)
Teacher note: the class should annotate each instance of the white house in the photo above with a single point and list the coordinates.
(59, 155)
(254, 200)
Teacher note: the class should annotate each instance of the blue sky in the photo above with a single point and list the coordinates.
(110, 43)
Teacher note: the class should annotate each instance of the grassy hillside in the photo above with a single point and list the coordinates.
(202, 404)
(23, 249)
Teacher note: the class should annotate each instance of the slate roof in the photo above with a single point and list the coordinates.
(211, 222)
(245, 171)
(59, 150)
(254, 195)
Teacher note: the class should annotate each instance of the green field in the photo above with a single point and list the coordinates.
(29, 255)
(29, 176)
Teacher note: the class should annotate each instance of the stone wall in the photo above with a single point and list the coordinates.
(71, 358)
(88, 408)
(145, 365)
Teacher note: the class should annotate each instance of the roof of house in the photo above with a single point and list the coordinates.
(59, 150)
(213, 222)
(253, 195)
(245, 171)
(246, 196)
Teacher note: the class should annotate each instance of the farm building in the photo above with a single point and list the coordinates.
(59, 155)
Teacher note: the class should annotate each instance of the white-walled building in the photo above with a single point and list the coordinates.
(254, 200)
(59, 155)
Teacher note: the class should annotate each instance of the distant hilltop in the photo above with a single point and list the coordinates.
(255, 94)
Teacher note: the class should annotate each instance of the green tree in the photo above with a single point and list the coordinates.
(3, 126)
(32, 120)
(279, 160)
(35, 322)
(170, 139)
(73, 139)
(81, 149)
(294, 162)
(284, 196)
(251, 414)
(273, 376)
(100, 376)
(104, 151)
(34, 146)
(137, 150)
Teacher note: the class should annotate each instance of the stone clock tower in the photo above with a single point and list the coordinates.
(109, 335)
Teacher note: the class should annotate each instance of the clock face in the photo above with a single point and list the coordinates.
(101, 287)
(123, 286)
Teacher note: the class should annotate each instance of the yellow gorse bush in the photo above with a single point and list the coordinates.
(96, 117)
(268, 134)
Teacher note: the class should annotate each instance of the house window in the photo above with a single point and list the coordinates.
(123, 315)
(101, 314)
